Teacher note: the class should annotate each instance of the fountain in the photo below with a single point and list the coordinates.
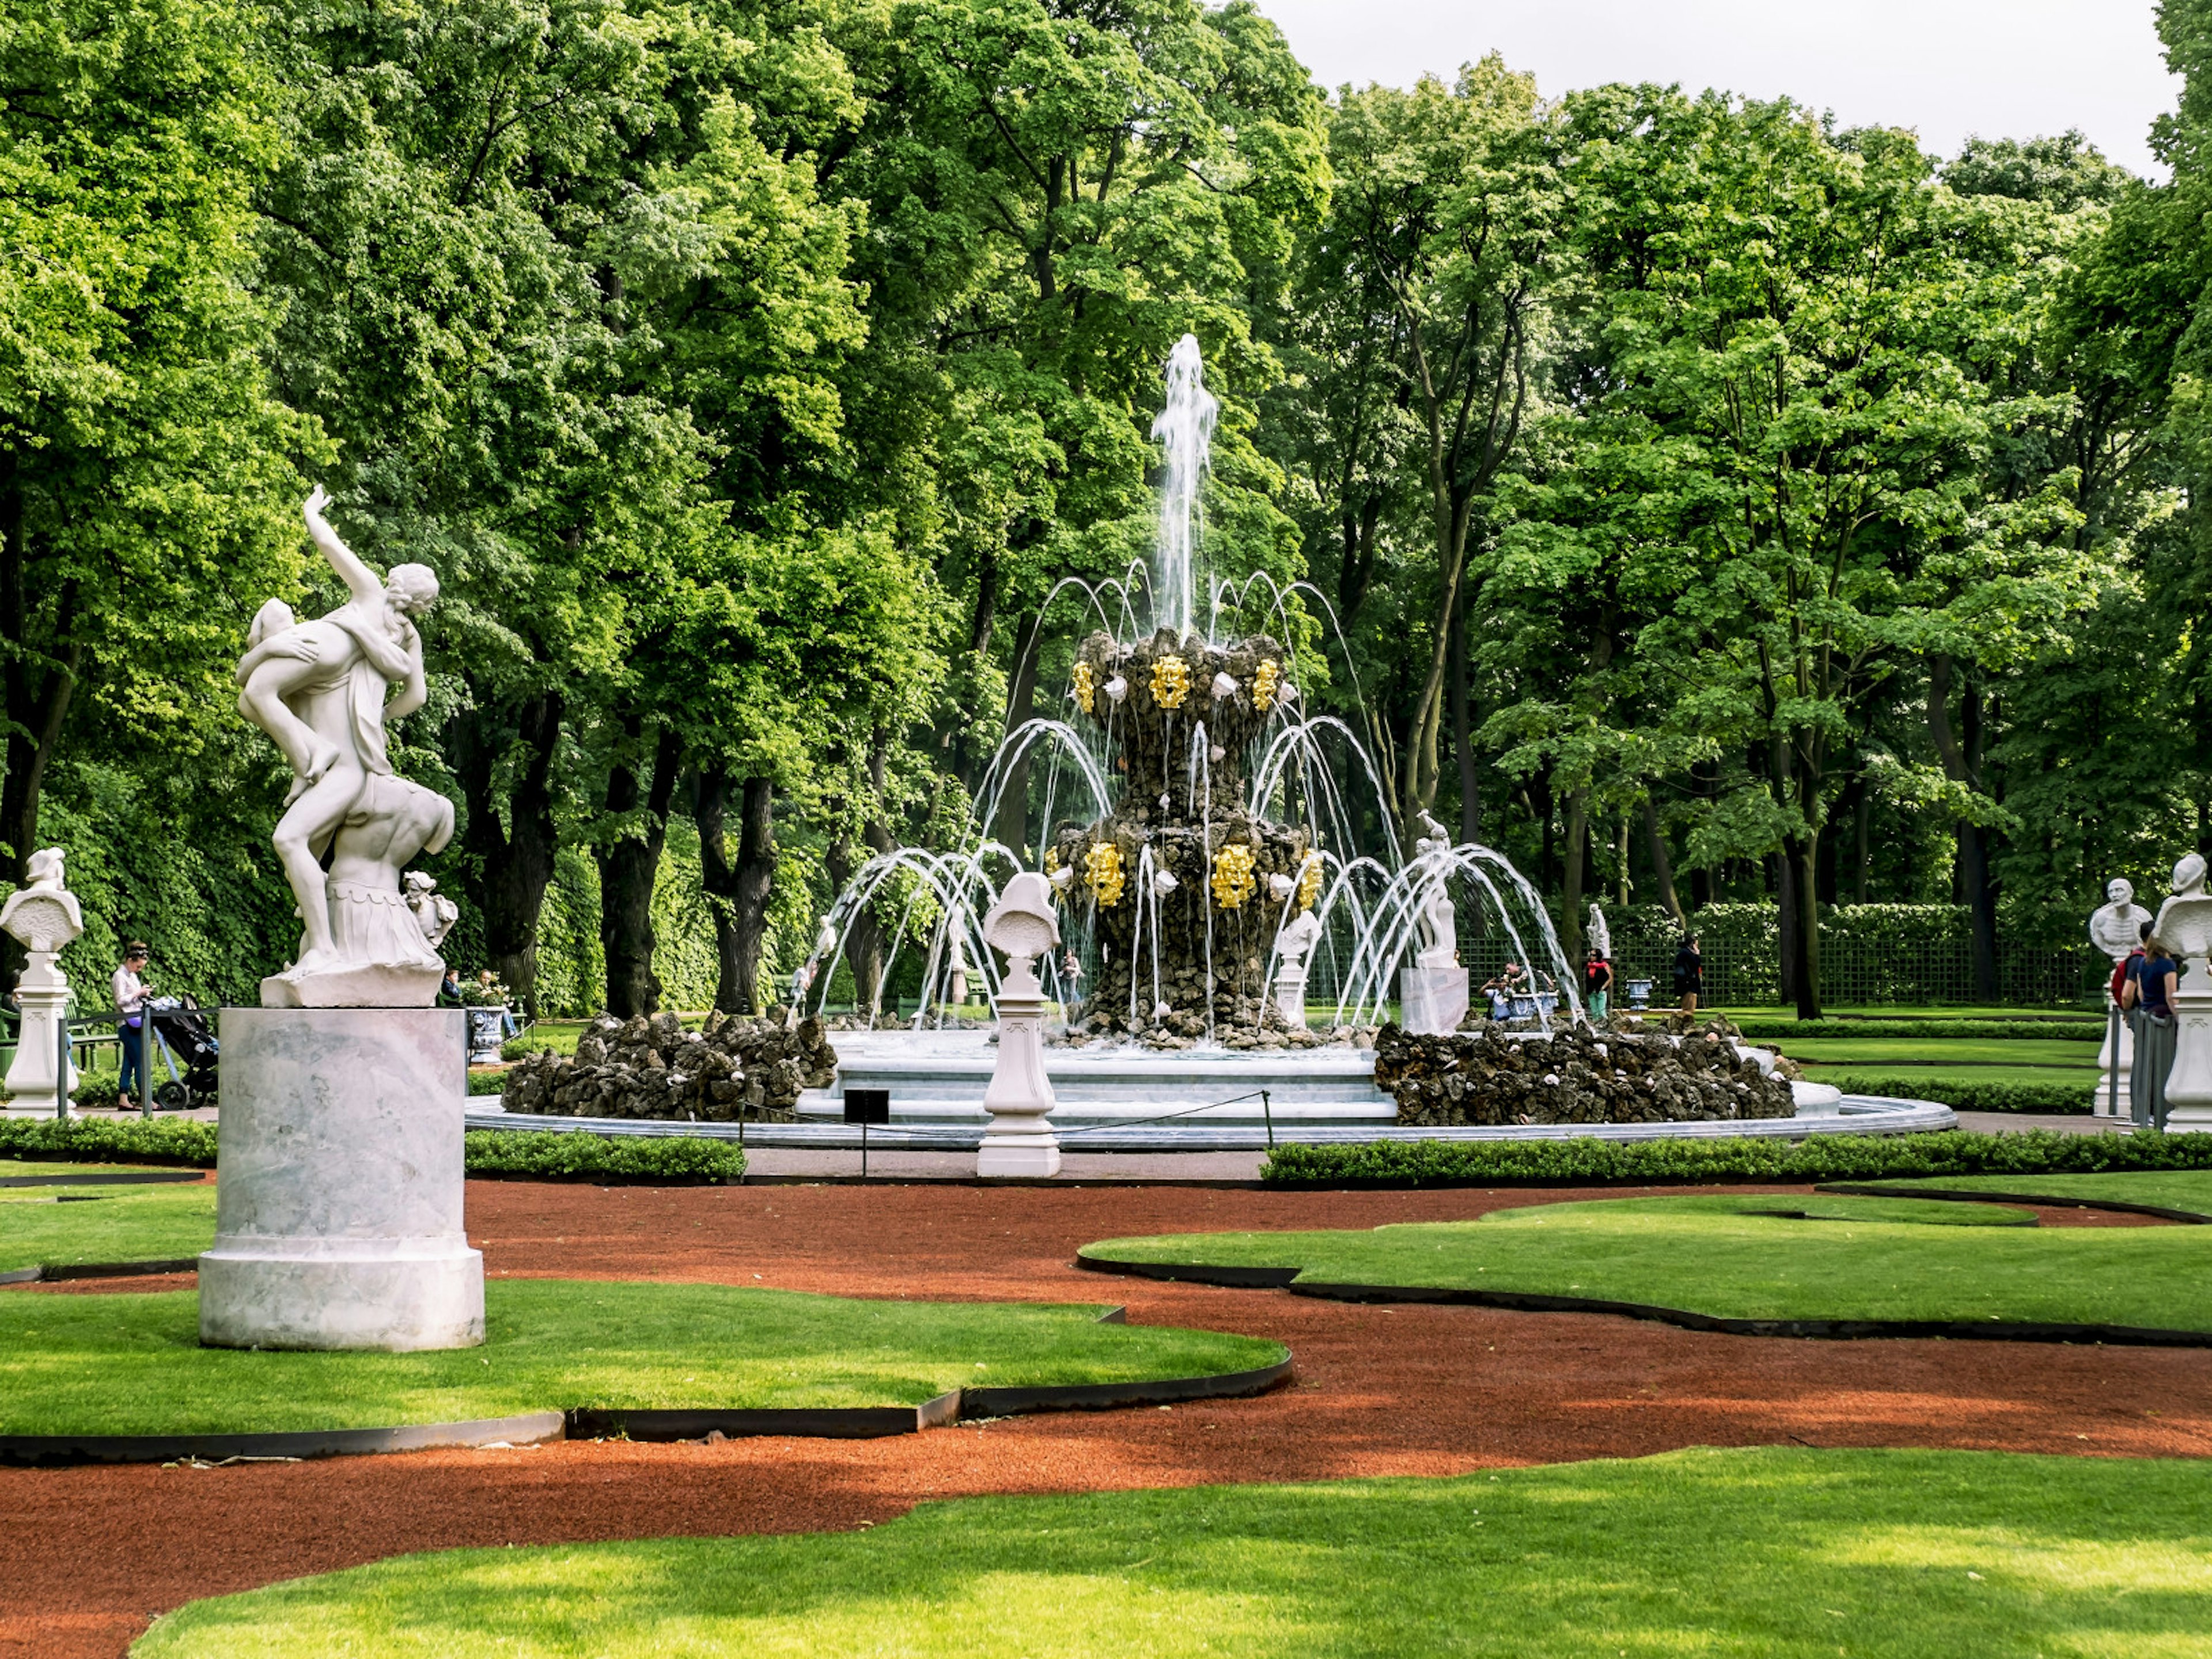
(1237, 916)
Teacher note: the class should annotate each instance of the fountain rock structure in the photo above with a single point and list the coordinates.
(1189, 886)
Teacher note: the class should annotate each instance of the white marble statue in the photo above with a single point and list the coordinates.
(1601, 936)
(2115, 927)
(42, 915)
(1439, 916)
(2185, 921)
(318, 690)
(1293, 945)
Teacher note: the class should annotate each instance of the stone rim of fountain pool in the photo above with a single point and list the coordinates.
(1109, 1100)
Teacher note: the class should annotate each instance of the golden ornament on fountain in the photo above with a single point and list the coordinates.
(1232, 876)
(1265, 680)
(1309, 884)
(1104, 874)
(1086, 689)
(1171, 682)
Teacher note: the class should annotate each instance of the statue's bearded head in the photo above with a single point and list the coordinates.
(2120, 891)
(411, 589)
(2189, 874)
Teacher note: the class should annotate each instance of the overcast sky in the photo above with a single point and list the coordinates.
(1947, 68)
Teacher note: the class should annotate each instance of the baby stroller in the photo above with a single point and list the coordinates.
(182, 1033)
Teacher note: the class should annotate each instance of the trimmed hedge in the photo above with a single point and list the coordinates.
(559, 1155)
(486, 1081)
(1759, 1029)
(122, 1139)
(542, 1154)
(1589, 1162)
(1966, 1094)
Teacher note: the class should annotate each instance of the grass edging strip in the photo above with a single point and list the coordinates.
(800, 1422)
(53, 1451)
(585, 1423)
(113, 1178)
(1531, 1302)
(2048, 1201)
(52, 1272)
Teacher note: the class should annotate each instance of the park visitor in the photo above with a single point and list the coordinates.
(1689, 973)
(2149, 989)
(1597, 984)
(130, 1014)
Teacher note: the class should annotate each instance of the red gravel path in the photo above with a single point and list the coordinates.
(94, 1554)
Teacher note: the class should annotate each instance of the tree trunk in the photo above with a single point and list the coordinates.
(1805, 858)
(1782, 878)
(628, 868)
(1463, 720)
(515, 859)
(739, 888)
(1861, 842)
(1014, 819)
(1571, 901)
(1961, 760)
(1662, 862)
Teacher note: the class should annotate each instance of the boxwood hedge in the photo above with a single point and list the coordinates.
(1758, 1027)
(1591, 1162)
(1967, 1094)
(528, 1154)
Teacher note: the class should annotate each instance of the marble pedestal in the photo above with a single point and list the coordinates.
(1431, 1000)
(339, 1194)
(38, 1044)
(2189, 1085)
(2116, 1059)
(1019, 1140)
(1291, 997)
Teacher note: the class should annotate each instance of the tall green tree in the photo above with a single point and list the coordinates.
(144, 468)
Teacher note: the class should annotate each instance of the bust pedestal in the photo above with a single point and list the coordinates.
(43, 997)
(1291, 994)
(2116, 1059)
(2189, 1085)
(1019, 1140)
(1432, 1000)
(338, 1205)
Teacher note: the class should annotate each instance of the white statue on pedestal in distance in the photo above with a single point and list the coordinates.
(318, 688)
(42, 916)
(2116, 928)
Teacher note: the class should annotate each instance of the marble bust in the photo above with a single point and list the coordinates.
(318, 689)
(2185, 921)
(2116, 926)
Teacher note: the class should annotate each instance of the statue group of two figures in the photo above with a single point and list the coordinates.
(323, 692)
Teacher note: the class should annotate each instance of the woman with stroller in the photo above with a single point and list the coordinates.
(130, 995)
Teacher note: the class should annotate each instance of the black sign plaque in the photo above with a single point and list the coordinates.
(867, 1106)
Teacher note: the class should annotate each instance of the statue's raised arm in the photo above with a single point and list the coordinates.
(366, 586)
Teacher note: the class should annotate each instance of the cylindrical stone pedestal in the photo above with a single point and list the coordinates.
(338, 1184)
(2116, 1059)
(1020, 1140)
(2189, 1085)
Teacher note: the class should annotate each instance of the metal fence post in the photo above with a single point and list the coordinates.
(1268, 1111)
(61, 1077)
(145, 1060)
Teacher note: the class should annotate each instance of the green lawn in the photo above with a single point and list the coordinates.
(1768, 1554)
(47, 1226)
(2168, 1189)
(132, 1363)
(1743, 1257)
(1890, 1051)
